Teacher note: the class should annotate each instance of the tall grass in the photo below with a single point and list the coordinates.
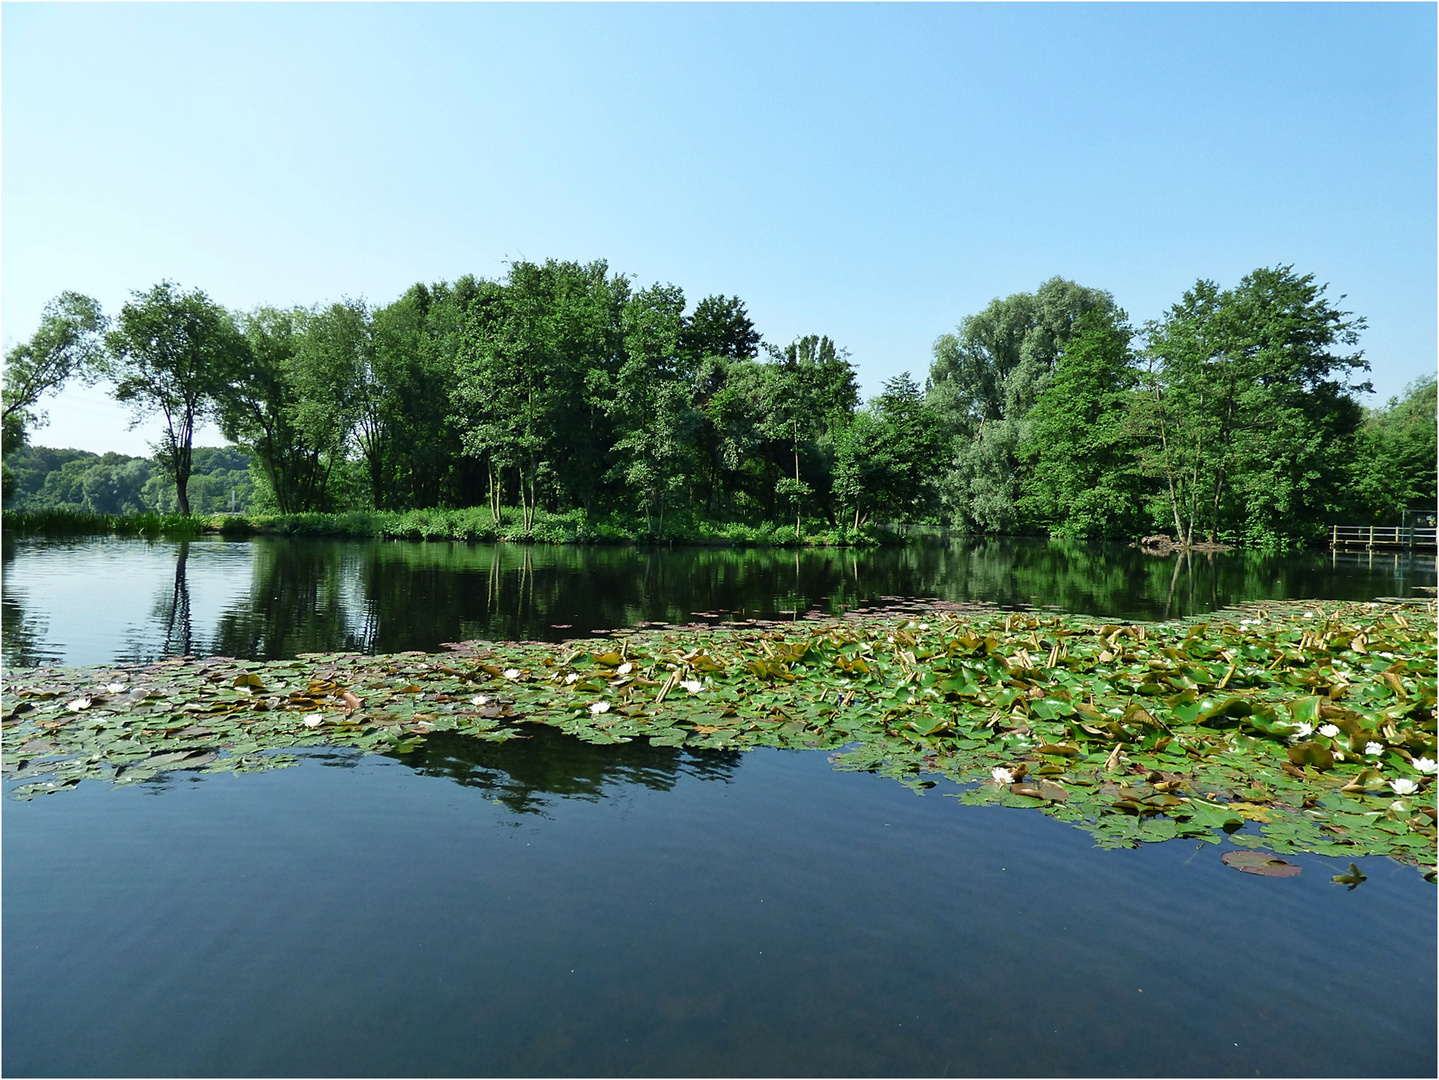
(473, 524)
(62, 522)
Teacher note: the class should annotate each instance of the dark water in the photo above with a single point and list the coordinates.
(114, 600)
(548, 908)
(545, 907)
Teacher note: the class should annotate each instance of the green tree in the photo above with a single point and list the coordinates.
(417, 350)
(814, 394)
(1249, 409)
(534, 390)
(338, 398)
(888, 456)
(170, 353)
(1394, 457)
(984, 380)
(70, 341)
(1082, 477)
(653, 407)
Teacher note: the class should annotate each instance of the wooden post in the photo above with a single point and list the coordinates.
(1371, 537)
(1334, 543)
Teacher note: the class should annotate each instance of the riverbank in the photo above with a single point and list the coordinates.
(1291, 727)
(472, 525)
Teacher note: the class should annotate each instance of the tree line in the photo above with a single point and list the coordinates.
(563, 385)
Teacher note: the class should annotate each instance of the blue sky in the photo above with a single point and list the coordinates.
(871, 172)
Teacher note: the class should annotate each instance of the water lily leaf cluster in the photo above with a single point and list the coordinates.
(1295, 727)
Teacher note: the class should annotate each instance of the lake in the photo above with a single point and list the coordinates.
(547, 907)
(104, 600)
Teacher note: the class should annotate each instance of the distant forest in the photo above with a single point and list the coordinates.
(43, 479)
(1234, 417)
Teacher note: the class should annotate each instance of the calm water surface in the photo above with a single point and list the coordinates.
(544, 907)
(106, 600)
(548, 908)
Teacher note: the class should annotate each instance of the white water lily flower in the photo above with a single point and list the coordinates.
(116, 688)
(1338, 755)
(694, 686)
(1329, 731)
(512, 673)
(924, 626)
(1303, 732)
(1374, 749)
(1426, 765)
(625, 668)
(572, 677)
(1404, 786)
(1001, 775)
(479, 699)
(599, 707)
(78, 705)
(314, 720)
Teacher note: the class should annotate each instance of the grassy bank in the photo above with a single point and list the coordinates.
(1293, 727)
(475, 525)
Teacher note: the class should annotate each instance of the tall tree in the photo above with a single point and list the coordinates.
(814, 394)
(535, 371)
(1082, 477)
(887, 459)
(170, 353)
(70, 341)
(653, 403)
(984, 380)
(1250, 407)
(1394, 458)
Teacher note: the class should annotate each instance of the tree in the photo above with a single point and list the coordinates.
(887, 458)
(983, 382)
(417, 349)
(653, 405)
(814, 395)
(1082, 476)
(1394, 457)
(338, 395)
(70, 341)
(534, 391)
(1249, 407)
(170, 353)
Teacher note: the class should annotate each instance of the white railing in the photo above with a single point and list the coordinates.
(1405, 536)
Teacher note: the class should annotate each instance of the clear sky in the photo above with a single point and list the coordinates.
(871, 172)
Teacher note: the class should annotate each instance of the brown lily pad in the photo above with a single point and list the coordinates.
(1260, 862)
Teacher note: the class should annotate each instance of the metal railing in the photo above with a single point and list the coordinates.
(1386, 536)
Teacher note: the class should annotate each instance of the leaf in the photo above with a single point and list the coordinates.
(1261, 863)
(1352, 879)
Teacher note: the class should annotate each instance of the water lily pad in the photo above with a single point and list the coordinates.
(1261, 863)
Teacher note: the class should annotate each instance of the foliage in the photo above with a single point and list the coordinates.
(69, 342)
(1248, 407)
(111, 483)
(1301, 727)
(985, 379)
(171, 353)
(1081, 476)
(886, 459)
(1394, 458)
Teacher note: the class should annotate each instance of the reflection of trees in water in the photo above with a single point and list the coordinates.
(23, 634)
(389, 596)
(520, 773)
(302, 599)
(172, 611)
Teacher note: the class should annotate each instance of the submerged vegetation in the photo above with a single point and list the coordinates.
(1292, 727)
